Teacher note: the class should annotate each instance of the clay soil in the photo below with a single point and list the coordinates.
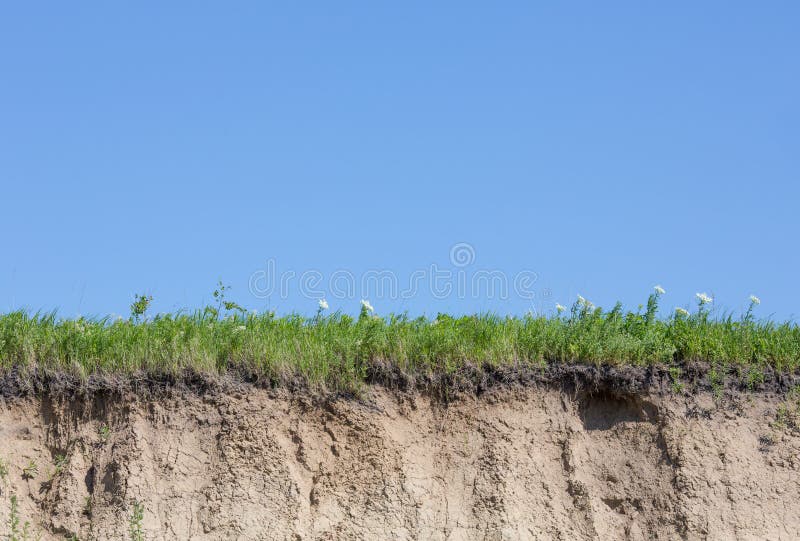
(512, 461)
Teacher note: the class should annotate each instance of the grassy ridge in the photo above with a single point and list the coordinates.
(336, 350)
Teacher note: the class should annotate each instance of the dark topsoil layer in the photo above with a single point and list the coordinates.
(471, 380)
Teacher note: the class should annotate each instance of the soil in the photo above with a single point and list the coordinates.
(566, 455)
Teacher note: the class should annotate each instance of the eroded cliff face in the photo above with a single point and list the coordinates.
(513, 463)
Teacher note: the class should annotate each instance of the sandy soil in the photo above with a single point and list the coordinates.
(514, 463)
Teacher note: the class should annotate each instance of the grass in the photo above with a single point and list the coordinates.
(337, 351)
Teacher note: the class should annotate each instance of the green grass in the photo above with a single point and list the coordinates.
(336, 351)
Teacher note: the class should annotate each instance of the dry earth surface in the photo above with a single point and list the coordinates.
(512, 463)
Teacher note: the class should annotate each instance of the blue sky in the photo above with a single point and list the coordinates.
(602, 148)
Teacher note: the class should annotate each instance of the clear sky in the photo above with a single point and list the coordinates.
(599, 148)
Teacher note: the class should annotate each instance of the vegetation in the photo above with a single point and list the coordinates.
(31, 470)
(136, 529)
(139, 306)
(338, 351)
(787, 416)
(15, 532)
(60, 463)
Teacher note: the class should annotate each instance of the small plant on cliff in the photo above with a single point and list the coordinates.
(135, 523)
(61, 463)
(31, 470)
(675, 377)
(104, 433)
(15, 532)
(139, 306)
(3, 470)
(787, 415)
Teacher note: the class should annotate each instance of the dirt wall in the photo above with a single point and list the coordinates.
(512, 463)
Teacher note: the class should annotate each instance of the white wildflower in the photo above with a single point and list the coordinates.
(560, 308)
(323, 304)
(659, 290)
(240, 328)
(681, 311)
(584, 302)
(754, 299)
(367, 306)
(704, 298)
